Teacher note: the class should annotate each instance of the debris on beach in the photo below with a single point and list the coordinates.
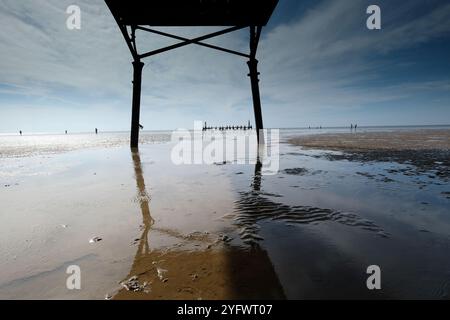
(295, 171)
(194, 276)
(197, 236)
(108, 297)
(95, 239)
(161, 272)
(221, 163)
(135, 241)
(64, 226)
(132, 284)
(225, 238)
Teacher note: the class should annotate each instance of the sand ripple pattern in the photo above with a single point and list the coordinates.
(252, 208)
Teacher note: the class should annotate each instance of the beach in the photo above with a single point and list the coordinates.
(359, 140)
(426, 151)
(141, 227)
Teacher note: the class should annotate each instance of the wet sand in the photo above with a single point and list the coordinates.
(370, 141)
(146, 214)
(199, 266)
(214, 273)
(222, 231)
(426, 151)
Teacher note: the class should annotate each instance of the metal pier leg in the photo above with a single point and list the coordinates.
(137, 80)
(253, 67)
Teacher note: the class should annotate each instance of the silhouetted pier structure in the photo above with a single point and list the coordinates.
(134, 15)
(227, 127)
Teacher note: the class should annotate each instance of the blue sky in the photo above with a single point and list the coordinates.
(319, 65)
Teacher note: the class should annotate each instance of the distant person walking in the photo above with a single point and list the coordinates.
(356, 126)
(351, 126)
(20, 131)
(66, 131)
(96, 130)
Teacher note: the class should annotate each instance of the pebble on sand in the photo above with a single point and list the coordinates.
(95, 239)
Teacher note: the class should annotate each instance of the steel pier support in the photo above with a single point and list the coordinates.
(136, 106)
(253, 67)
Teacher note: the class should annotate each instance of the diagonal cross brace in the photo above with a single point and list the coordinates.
(193, 41)
(125, 34)
(255, 34)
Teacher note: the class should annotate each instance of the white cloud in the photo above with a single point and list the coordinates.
(321, 61)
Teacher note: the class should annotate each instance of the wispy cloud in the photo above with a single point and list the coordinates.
(325, 58)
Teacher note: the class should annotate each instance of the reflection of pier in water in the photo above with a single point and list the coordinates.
(302, 278)
(255, 206)
(216, 271)
(143, 198)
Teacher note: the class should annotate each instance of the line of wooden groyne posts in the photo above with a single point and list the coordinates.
(222, 128)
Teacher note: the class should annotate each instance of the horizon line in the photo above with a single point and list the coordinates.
(165, 130)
